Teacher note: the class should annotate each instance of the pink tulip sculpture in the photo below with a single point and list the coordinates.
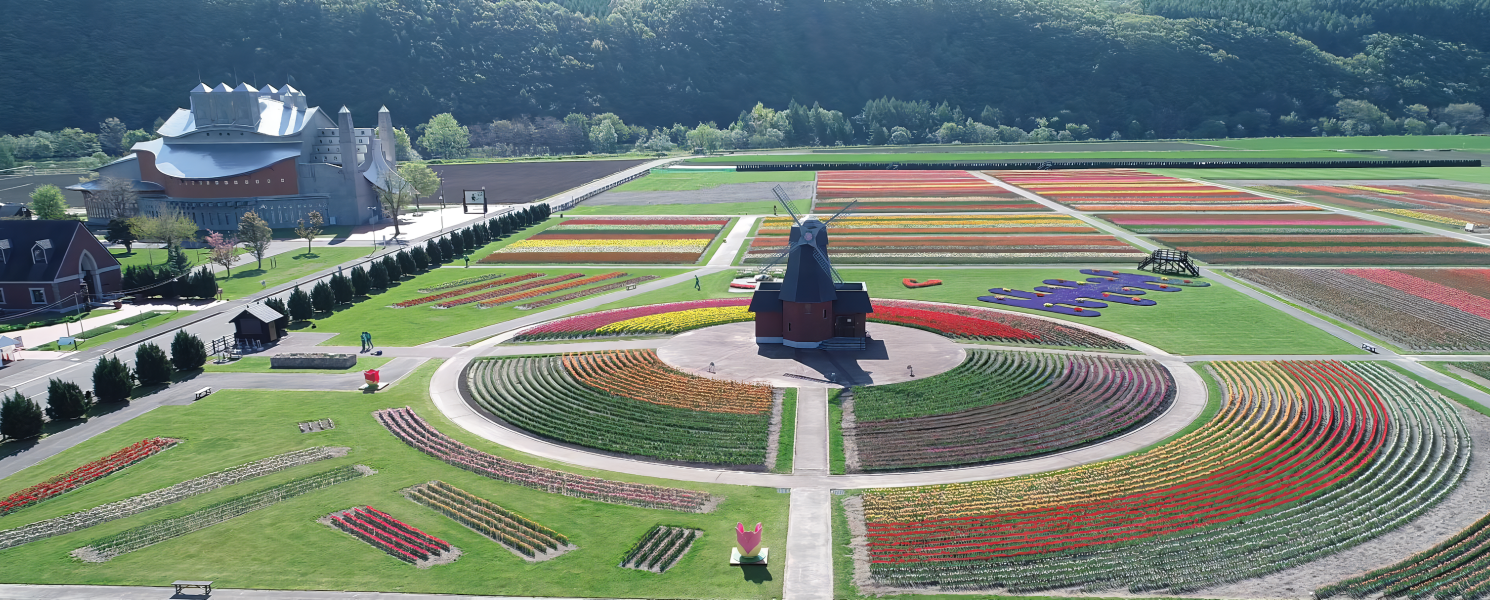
(749, 540)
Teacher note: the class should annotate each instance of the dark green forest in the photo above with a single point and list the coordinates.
(1105, 65)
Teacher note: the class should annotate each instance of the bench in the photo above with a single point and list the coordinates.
(205, 586)
(202, 393)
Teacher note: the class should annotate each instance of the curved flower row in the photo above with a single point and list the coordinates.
(414, 431)
(1305, 459)
(588, 325)
(85, 474)
(954, 320)
(911, 283)
(678, 322)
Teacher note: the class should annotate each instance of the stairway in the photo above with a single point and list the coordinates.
(843, 343)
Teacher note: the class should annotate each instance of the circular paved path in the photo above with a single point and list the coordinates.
(734, 355)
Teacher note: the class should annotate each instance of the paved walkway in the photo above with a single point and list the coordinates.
(810, 446)
(809, 546)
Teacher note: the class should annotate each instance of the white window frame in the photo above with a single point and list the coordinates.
(43, 295)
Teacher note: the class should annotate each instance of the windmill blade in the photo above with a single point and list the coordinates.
(774, 260)
(786, 202)
(840, 213)
(827, 266)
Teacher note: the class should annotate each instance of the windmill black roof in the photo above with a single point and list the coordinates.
(806, 281)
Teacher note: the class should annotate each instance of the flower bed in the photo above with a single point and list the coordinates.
(1425, 310)
(1304, 459)
(957, 321)
(915, 191)
(85, 474)
(1004, 405)
(1275, 224)
(911, 283)
(627, 402)
(1457, 567)
(959, 249)
(660, 548)
(497, 293)
(463, 282)
(466, 290)
(584, 326)
(678, 322)
(519, 534)
(400, 540)
(599, 289)
(615, 240)
(546, 290)
(1403, 249)
(150, 534)
(1127, 190)
(856, 225)
(164, 496)
(412, 430)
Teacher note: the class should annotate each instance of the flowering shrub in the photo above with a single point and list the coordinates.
(1304, 459)
(583, 326)
(85, 474)
(412, 430)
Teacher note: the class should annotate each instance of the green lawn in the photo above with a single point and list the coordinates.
(126, 331)
(157, 256)
(786, 442)
(291, 266)
(327, 231)
(722, 208)
(424, 323)
(282, 547)
(702, 180)
(1469, 174)
(257, 364)
(1391, 142)
(1212, 320)
(837, 461)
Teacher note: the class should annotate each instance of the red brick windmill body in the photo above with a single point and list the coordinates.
(811, 307)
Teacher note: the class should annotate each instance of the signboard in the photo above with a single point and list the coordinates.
(65, 341)
(472, 198)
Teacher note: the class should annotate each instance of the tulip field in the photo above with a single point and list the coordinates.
(1124, 190)
(915, 192)
(615, 240)
(1004, 405)
(1426, 310)
(975, 323)
(408, 427)
(1319, 249)
(958, 239)
(85, 474)
(660, 548)
(675, 317)
(1457, 567)
(627, 402)
(1451, 206)
(1304, 459)
(1315, 223)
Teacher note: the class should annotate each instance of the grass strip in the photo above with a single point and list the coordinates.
(787, 439)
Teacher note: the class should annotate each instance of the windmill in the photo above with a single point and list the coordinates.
(810, 235)
(812, 306)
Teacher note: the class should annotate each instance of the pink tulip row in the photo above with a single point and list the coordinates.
(404, 424)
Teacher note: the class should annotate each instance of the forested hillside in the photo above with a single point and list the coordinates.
(73, 63)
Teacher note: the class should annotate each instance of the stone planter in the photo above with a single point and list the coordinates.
(313, 360)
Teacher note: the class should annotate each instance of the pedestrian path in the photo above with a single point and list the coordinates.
(809, 546)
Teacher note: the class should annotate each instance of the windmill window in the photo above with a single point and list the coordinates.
(38, 296)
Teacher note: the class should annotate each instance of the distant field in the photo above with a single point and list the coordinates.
(1470, 174)
(683, 182)
(723, 209)
(921, 157)
(1396, 142)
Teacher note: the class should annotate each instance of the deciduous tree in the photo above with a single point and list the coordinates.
(120, 232)
(308, 228)
(224, 251)
(48, 203)
(255, 234)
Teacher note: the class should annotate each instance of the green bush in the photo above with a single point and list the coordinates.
(152, 366)
(187, 351)
(418, 260)
(20, 418)
(112, 381)
(65, 401)
(341, 289)
(300, 308)
(322, 300)
(361, 283)
(378, 275)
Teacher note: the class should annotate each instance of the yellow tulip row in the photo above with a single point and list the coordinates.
(675, 322)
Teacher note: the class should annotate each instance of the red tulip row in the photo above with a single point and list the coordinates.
(996, 324)
(911, 283)
(85, 474)
(388, 534)
(466, 290)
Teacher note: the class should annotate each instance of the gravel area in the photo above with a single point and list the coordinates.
(729, 192)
